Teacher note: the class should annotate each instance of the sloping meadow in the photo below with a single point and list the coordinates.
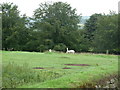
(56, 70)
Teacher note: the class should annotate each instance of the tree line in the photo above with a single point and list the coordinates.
(55, 26)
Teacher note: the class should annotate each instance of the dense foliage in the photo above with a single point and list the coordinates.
(14, 31)
(106, 35)
(55, 26)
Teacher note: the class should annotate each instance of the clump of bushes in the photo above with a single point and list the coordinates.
(15, 75)
(60, 47)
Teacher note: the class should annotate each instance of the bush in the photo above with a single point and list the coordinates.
(42, 48)
(60, 47)
(49, 43)
(31, 45)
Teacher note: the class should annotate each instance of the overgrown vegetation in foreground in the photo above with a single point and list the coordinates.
(15, 75)
(18, 69)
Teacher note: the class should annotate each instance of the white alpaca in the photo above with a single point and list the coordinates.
(50, 50)
(70, 51)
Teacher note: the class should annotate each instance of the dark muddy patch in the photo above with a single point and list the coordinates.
(64, 57)
(77, 64)
(38, 68)
(66, 68)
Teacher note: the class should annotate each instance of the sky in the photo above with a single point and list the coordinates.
(84, 7)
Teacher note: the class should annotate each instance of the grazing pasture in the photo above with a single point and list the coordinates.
(55, 70)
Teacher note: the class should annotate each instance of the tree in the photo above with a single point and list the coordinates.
(106, 34)
(14, 31)
(82, 43)
(91, 26)
(56, 22)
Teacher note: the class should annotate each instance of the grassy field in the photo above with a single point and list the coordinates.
(18, 69)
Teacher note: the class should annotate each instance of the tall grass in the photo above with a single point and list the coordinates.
(15, 75)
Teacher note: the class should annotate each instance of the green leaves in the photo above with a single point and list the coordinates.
(105, 34)
(14, 32)
(56, 21)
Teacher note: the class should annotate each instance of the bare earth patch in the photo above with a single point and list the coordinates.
(77, 64)
(64, 57)
(38, 68)
(66, 68)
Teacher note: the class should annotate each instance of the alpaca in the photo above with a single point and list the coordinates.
(50, 50)
(70, 51)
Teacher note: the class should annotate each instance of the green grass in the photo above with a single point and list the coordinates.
(53, 76)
